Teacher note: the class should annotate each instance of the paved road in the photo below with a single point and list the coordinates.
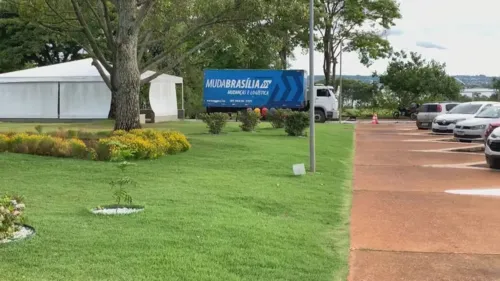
(404, 226)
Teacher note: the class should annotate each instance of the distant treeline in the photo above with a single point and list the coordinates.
(476, 81)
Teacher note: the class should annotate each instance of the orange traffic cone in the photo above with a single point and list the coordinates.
(374, 118)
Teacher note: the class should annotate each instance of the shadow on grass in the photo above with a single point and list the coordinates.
(207, 134)
(216, 144)
(260, 205)
(286, 176)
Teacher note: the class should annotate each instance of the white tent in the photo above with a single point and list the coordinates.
(74, 90)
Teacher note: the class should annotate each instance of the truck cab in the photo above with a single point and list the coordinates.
(326, 106)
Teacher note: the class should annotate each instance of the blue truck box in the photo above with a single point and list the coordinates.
(242, 88)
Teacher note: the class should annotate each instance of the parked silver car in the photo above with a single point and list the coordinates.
(428, 111)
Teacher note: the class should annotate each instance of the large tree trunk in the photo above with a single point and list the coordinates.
(327, 55)
(112, 108)
(327, 67)
(127, 68)
(114, 92)
(334, 73)
(283, 58)
(283, 53)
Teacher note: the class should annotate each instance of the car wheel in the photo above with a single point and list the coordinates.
(493, 162)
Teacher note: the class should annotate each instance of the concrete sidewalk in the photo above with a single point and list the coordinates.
(404, 226)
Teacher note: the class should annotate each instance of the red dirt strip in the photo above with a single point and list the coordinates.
(404, 226)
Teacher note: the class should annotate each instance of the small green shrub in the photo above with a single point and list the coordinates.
(113, 150)
(215, 121)
(296, 123)
(70, 134)
(277, 117)
(102, 134)
(249, 120)
(11, 215)
(39, 129)
(120, 193)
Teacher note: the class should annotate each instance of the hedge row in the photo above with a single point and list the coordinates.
(120, 145)
(294, 122)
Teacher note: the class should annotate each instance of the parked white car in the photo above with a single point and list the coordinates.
(492, 149)
(445, 123)
(474, 128)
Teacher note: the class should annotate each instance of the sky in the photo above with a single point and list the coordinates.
(463, 34)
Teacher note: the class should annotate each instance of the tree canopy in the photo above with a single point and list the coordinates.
(24, 44)
(127, 38)
(413, 79)
(356, 93)
(354, 26)
(183, 37)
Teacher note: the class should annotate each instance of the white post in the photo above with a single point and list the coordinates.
(312, 93)
(182, 96)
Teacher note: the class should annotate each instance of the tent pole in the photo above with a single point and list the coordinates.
(182, 101)
(58, 100)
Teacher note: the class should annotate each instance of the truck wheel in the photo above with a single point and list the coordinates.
(319, 116)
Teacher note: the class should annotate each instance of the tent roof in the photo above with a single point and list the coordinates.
(73, 71)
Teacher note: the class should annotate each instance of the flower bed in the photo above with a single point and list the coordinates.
(12, 219)
(115, 146)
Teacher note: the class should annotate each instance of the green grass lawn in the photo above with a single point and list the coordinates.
(229, 209)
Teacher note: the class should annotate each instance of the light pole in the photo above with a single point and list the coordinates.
(312, 93)
(341, 103)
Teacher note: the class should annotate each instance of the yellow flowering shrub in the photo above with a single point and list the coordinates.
(4, 143)
(140, 147)
(61, 148)
(119, 133)
(120, 145)
(17, 144)
(178, 142)
(46, 146)
(31, 142)
(156, 138)
(78, 149)
(43, 145)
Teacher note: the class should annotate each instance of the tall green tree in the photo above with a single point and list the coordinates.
(289, 23)
(353, 26)
(496, 85)
(121, 35)
(263, 44)
(355, 92)
(23, 44)
(413, 79)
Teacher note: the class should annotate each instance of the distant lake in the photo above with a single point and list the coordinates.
(484, 91)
